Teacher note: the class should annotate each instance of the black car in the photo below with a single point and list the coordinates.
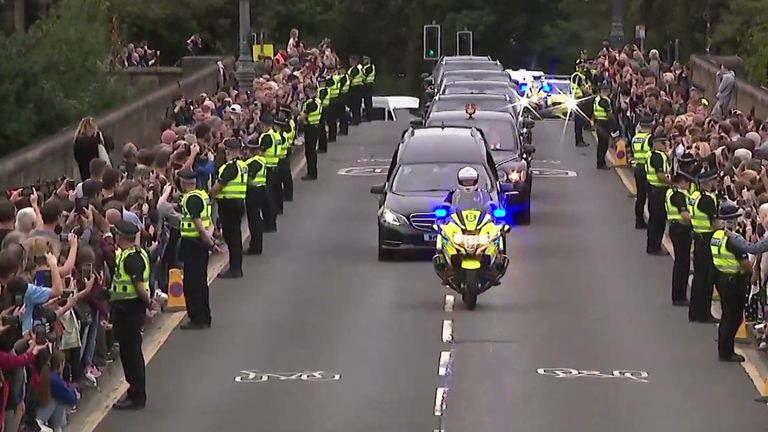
(473, 75)
(478, 87)
(422, 173)
(482, 102)
(511, 157)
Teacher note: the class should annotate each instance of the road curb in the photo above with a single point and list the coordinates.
(756, 365)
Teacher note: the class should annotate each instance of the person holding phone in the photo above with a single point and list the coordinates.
(36, 295)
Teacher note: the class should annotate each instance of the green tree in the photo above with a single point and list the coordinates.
(743, 30)
(54, 75)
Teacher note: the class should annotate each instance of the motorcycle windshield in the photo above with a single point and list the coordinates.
(477, 200)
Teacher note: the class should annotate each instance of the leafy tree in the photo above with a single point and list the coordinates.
(54, 75)
(743, 30)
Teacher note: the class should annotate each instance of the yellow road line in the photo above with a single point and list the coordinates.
(160, 336)
(752, 370)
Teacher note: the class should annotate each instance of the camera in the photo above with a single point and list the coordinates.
(39, 260)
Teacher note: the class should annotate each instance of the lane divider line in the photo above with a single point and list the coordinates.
(449, 299)
(447, 331)
(440, 400)
(749, 368)
(445, 360)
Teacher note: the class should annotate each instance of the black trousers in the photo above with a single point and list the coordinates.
(285, 179)
(231, 217)
(681, 241)
(269, 212)
(368, 100)
(657, 218)
(355, 103)
(641, 185)
(341, 113)
(733, 292)
(332, 119)
(129, 317)
(255, 203)
(322, 139)
(311, 136)
(603, 140)
(195, 255)
(703, 279)
(578, 127)
(275, 189)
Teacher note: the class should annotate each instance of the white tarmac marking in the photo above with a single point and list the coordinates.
(447, 331)
(445, 360)
(449, 299)
(440, 400)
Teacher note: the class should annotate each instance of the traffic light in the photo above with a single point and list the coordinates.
(464, 43)
(432, 42)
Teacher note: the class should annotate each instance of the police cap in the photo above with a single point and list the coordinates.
(604, 85)
(187, 175)
(125, 229)
(661, 138)
(707, 175)
(280, 121)
(266, 118)
(286, 110)
(728, 210)
(232, 143)
(686, 158)
(322, 78)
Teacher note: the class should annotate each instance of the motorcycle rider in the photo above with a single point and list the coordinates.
(467, 197)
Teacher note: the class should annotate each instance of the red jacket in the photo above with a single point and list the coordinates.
(9, 362)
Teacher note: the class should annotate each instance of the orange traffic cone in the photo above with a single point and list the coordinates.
(741, 334)
(176, 301)
(621, 153)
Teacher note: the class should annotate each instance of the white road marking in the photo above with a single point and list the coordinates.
(447, 331)
(449, 299)
(440, 400)
(445, 360)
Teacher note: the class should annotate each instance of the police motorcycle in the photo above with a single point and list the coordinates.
(471, 247)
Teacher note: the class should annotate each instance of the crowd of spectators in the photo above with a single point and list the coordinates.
(719, 136)
(57, 247)
(137, 55)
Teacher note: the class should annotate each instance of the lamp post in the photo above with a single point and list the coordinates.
(617, 24)
(245, 72)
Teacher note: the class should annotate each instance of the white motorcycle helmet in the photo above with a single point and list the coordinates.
(468, 179)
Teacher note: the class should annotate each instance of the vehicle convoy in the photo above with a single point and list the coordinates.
(482, 102)
(478, 87)
(511, 154)
(470, 246)
(422, 173)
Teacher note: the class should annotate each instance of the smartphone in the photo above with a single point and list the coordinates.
(67, 283)
(10, 320)
(39, 260)
(67, 293)
(80, 205)
(40, 337)
(70, 185)
(26, 192)
(87, 271)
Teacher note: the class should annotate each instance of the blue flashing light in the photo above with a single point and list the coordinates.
(523, 87)
(441, 213)
(499, 213)
(546, 87)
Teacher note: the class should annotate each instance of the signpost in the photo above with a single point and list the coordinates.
(640, 35)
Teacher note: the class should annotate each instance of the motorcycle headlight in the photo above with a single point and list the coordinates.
(516, 176)
(391, 218)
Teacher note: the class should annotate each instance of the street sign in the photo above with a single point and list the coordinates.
(464, 43)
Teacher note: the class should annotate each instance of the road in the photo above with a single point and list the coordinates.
(580, 294)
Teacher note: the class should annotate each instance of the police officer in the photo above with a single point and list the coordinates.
(356, 78)
(369, 78)
(344, 86)
(271, 141)
(604, 122)
(579, 88)
(229, 191)
(288, 131)
(324, 94)
(676, 205)
(311, 113)
(641, 150)
(284, 186)
(657, 175)
(256, 198)
(266, 141)
(196, 242)
(732, 270)
(702, 205)
(332, 117)
(130, 297)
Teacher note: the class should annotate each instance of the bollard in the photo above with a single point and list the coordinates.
(621, 153)
(176, 301)
(741, 334)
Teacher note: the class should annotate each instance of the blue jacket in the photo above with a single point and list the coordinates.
(61, 392)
